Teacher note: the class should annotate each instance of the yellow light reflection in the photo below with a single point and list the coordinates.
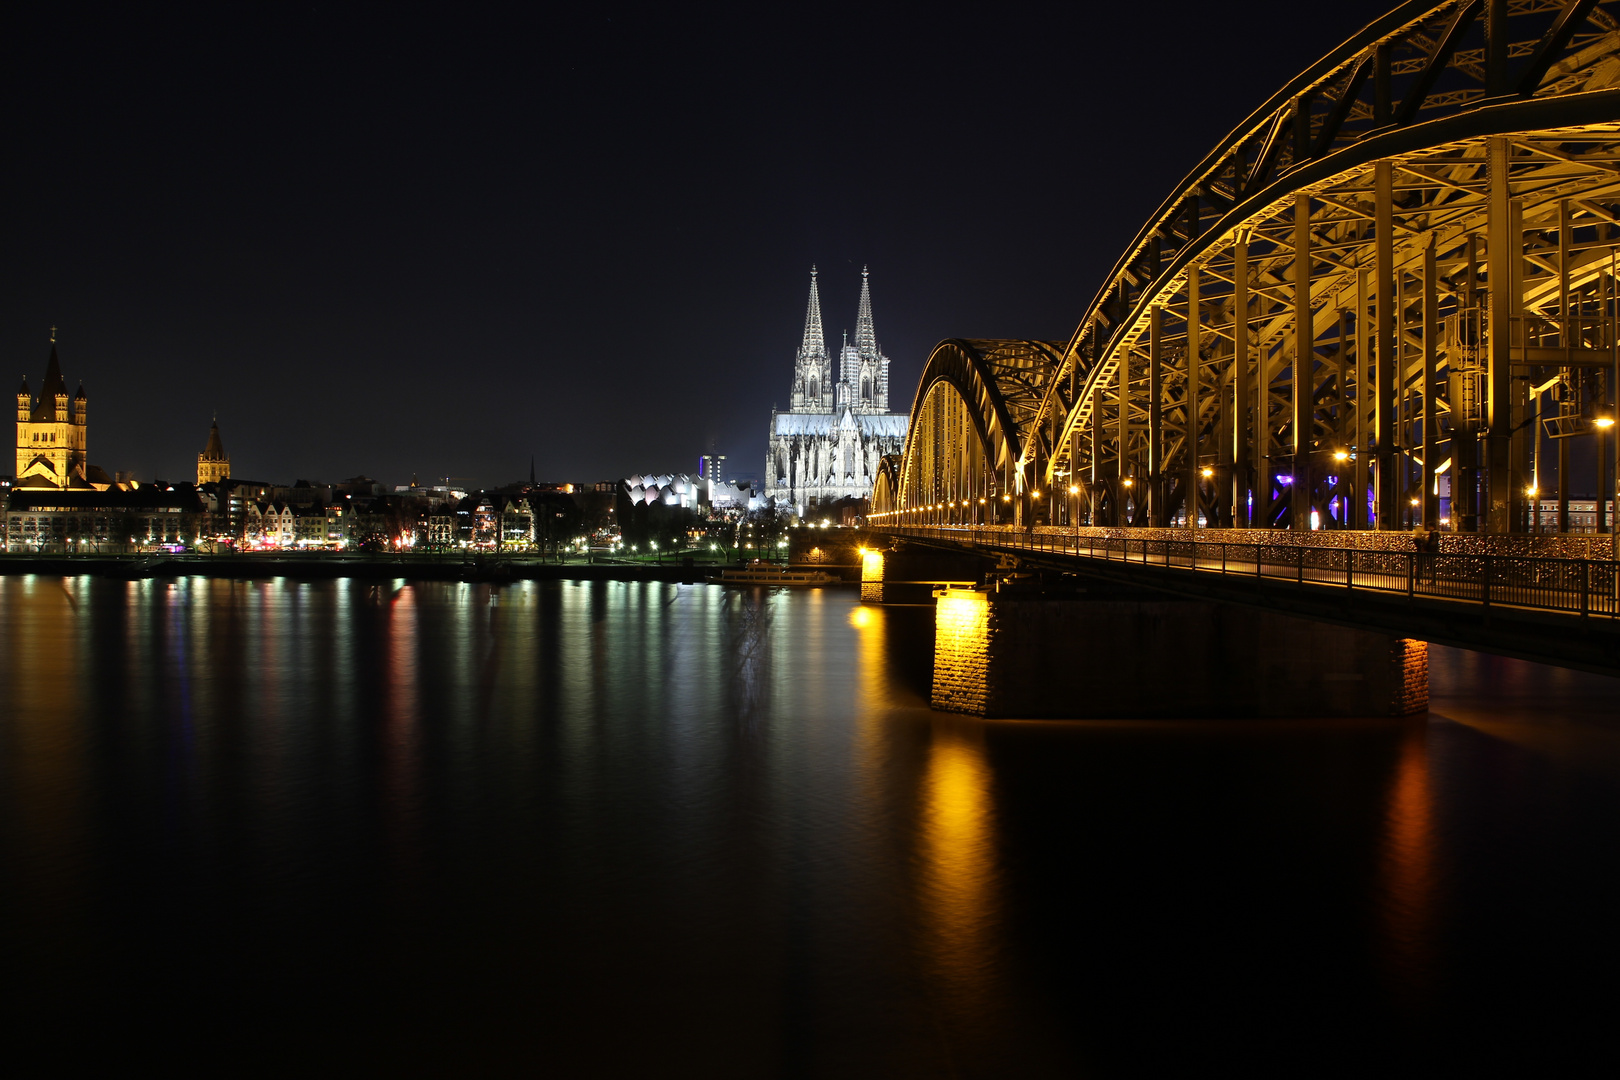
(957, 842)
(860, 618)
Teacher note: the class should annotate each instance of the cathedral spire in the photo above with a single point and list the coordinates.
(865, 332)
(815, 342)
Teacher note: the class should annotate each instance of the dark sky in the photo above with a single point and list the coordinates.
(401, 239)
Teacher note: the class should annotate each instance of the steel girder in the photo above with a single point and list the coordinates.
(974, 408)
(886, 485)
(1368, 203)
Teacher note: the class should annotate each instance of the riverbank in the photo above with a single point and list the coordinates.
(318, 565)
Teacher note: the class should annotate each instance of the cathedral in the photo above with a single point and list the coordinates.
(828, 444)
(51, 435)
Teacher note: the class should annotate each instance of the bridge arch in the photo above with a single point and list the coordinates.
(1367, 274)
(969, 430)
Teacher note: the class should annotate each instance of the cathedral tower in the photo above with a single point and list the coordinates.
(51, 432)
(812, 367)
(213, 464)
(827, 448)
(863, 366)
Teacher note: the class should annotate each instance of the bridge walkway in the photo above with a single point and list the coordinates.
(1551, 610)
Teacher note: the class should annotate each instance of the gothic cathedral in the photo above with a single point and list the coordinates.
(828, 445)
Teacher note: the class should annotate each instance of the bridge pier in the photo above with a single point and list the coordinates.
(909, 573)
(1007, 654)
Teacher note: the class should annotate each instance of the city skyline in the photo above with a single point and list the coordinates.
(392, 243)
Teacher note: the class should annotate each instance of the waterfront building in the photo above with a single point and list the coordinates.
(669, 489)
(84, 519)
(269, 524)
(213, 464)
(838, 426)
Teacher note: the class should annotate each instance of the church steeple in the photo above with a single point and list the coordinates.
(865, 332)
(213, 464)
(815, 341)
(812, 367)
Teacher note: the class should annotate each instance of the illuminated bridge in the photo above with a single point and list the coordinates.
(1386, 301)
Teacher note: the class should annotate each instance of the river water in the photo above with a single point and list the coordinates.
(606, 829)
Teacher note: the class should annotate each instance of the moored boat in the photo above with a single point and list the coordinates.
(771, 575)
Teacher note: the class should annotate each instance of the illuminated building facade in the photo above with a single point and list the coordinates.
(827, 446)
(213, 464)
(84, 520)
(51, 435)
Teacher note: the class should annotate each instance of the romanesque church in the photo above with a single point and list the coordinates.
(827, 446)
(53, 435)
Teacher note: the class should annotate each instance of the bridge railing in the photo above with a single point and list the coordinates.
(1585, 587)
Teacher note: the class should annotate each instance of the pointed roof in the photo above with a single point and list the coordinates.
(216, 449)
(54, 383)
(45, 406)
(815, 342)
(25, 389)
(865, 332)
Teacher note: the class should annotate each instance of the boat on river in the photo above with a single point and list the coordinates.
(765, 574)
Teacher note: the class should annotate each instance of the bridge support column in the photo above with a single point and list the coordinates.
(909, 573)
(1005, 655)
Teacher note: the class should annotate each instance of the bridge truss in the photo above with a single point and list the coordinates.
(1396, 278)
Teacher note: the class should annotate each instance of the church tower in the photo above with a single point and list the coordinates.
(213, 464)
(812, 367)
(52, 431)
(866, 369)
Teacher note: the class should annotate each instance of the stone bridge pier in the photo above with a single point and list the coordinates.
(903, 573)
(1001, 651)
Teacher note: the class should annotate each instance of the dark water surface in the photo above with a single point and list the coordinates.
(638, 829)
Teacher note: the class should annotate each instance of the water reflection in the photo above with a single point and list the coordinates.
(957, 845)
(1408, 869)
(543, 815)
(45, 822)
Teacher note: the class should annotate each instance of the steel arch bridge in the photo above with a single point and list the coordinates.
(1394, 281)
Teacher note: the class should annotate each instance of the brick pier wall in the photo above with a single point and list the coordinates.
(1000, 656)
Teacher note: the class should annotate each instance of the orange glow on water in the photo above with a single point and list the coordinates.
(958, 847)
(1408, 867)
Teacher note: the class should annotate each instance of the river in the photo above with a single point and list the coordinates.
(634, 829)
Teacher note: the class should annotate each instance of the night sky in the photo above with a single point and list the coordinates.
(410, 239)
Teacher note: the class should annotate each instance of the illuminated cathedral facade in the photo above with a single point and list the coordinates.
(827, 446)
